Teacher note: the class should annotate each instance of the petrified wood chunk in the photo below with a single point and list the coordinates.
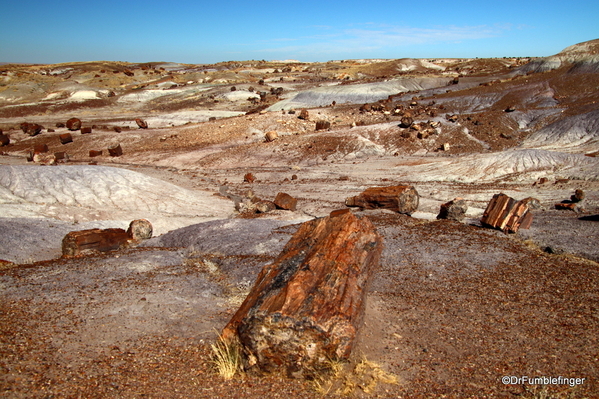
(307, 306)
(77, 242)
(285, 201)
(249, 178)
(323, 125)
(507, 214)
(65, 138)
(115, 150)
(94, 153)
(4, 140)
(453, 210)
(74, 124)
(140, 229)
(141, 123)
(271, 136)
(401, 199)
(40, 149)
(304, 114)
(86, 130)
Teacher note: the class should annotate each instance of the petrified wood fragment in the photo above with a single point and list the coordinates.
(74, 124)
(4, 139)
(115, 150)
(77, 242)
(307, 306)
(140, 229)
(507, 214)
(141, 123)
(271, 136)
(323, 125)
(285, 201)
(65, 138)
(401, 199)
(453, 210)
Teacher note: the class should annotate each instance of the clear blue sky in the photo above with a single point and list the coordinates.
(200, 32)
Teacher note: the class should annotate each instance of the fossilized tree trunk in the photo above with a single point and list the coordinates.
(507, 214)
(401, 199)
(307, 306)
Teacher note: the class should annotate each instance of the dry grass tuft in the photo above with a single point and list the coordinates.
(227, 357)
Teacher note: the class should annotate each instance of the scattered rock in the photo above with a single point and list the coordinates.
(304, 114)
(264, 206)
(60, 125)
(117, 129)
(86, 130)
(507, 214)
(141, 123)
(577, 196)
(406, 122)
(572, 206)
(452, 118)
(94, 153)
(4, 140)
(323, 125)
(73, 124)
(400, 199)
(140, 229)
(511, 108)
(453, 210)
(249, 178)
(271, 136)
(308, 305)
(115, 151)
(31, 129)
(286, 202)
(40, 149)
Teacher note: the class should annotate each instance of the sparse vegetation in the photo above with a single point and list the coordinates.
(227, 357)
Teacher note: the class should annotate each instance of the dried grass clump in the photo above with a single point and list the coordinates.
(227, 357)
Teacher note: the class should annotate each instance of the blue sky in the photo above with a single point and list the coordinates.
(199, 32)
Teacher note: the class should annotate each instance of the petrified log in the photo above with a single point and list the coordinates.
(307, 306)
(65, 138)
(74, 124)
(453, 210)
(94, 153)
(507, 214)
(401, 199)
(78, 242)
(285, 201)
(115, 150)
(86, 130)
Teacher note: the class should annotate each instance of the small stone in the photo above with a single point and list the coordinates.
(285, 201)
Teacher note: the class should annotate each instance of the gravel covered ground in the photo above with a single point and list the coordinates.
(452, 309)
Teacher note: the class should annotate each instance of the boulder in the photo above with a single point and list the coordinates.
(307, 307)
(285, 201)
(73, 124)
(453, 210)
(400, 199)
(506, 214)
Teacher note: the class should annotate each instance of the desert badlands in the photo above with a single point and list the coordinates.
(202, 152)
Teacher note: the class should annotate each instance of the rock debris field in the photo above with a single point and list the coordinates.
(227, 161)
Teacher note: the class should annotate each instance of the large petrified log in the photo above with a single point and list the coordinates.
(307, 306)
(104, 240)
(507, 214)
(83, 241)
(401, 199)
